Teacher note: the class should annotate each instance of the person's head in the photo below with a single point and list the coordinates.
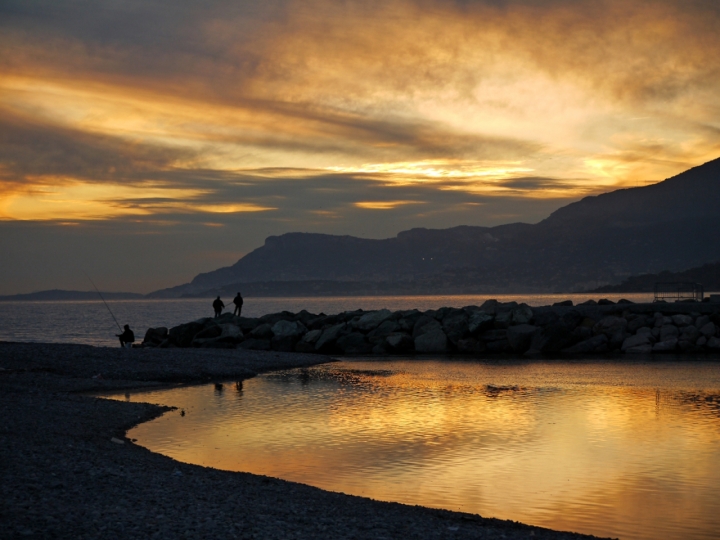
(127, 327)
(218, 297)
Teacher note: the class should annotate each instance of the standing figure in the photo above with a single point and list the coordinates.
(127, 337)
(238, 301)
(218, 306)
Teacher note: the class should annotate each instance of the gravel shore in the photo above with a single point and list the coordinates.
(68, 471)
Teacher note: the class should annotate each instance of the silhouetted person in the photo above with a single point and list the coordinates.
(218, 306)
(127, 336)
(238, 301)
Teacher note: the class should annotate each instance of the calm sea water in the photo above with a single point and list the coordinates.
(627, 450)
(90, 322)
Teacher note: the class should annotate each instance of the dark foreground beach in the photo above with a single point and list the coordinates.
(67, 470)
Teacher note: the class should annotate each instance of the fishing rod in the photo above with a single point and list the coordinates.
(104, 302)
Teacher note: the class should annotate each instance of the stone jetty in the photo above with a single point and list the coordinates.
(492, 328)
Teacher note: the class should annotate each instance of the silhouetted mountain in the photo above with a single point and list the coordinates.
(57, 294)
(602, 239)
(708, 275)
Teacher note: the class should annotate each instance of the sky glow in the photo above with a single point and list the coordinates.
(280, 116)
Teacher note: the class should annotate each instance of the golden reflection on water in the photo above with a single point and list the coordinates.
(611, 449)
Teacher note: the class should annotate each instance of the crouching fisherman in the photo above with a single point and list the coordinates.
(127, 337)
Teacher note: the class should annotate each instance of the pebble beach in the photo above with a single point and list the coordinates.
(67, 469)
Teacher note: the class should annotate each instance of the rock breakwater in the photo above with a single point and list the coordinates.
(492, 328)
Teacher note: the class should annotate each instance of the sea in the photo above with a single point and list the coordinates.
(95, 323)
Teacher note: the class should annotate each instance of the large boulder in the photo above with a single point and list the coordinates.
(480, 321)
(312, 336)
(292, 329)
(636, 323)
(520, 337)
(689, 334)
(668, 332)
(354, 343)
(636, 341)
(470, 345)
(434, 341)
(399, 343)
(155, 336)
(182, 335)
(209, 332)
(455, 326)
(372, 320)
(594, 344)
(682, 320)
(668, 345)
(425, 325)
(387, 327)
(708, 330)
(272, 318)
(610, 326)
(262, 331)
(326, 341)
(553, 338)
(713, 343)
(522, 314)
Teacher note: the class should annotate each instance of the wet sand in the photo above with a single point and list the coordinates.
(68, 471)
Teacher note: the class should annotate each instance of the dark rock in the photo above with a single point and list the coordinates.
(305, 317)
(690, 334)
(637, 322)
(546, 317)
(434, 341)
(682, 320)
(470, 345)
(490, 306)
(553, 338)
(326, 341)
(312, 336)
(708, 330)
(581, 333)
(304, 347)
(571, 319)
(354, 343)
(589, 345)
(387, 327)
(520, 337)
(183, 334)
(255, 344)
(208, 332)
(424, 325)
(668, 331)
(155, 336)
(588, 303)
(455, 326)
(263, 331)
(494, 335)
(503, 319)
(523, 314)
(399, 343)
(625, 301)
(568, 303)
(272, 318)
(668, 345)
(636, 341)
(408, 319)
(610, 326)
(480, 321)
(605, 302)
(372, 320)
(247, 324)
(293, 329)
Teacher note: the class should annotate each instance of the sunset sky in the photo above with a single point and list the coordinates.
(144, 141)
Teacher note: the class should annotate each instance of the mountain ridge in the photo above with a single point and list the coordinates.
(598, 240)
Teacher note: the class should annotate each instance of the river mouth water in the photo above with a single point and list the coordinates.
(621, 449)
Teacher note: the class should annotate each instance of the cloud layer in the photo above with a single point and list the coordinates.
(188, 118)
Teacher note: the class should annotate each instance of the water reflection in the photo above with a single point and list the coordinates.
(611, 449)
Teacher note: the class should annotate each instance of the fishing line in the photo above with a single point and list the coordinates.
(104, 302)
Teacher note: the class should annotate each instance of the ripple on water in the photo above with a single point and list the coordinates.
(611, 449)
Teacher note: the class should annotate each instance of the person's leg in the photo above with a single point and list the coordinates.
(122, 343)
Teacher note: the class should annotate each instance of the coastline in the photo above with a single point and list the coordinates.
(69, 472)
